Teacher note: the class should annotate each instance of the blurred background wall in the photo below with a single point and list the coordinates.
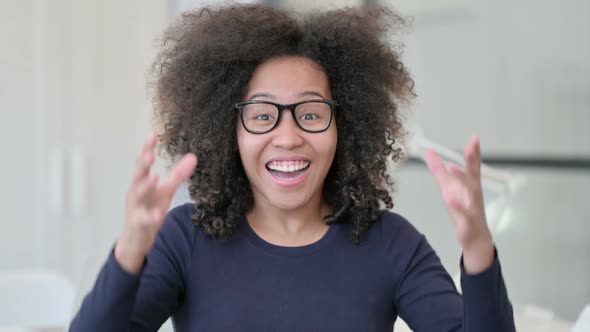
(74, 111)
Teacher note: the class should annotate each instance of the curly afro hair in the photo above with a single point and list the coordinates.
(205, 62)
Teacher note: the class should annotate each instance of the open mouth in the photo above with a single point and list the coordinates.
(288, 170)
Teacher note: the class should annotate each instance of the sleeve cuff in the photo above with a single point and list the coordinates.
(119, 274)
(485, 299)
(484, 284)
(490, 270)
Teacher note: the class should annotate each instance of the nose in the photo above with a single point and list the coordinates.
(287, 134)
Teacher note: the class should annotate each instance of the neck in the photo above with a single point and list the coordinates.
(289, 227)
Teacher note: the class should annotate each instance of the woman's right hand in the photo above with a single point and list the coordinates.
(147, 203)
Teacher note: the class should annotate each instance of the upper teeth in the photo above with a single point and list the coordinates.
(288, 166)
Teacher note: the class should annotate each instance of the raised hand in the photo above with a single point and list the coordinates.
(147, 202)
(462, 194)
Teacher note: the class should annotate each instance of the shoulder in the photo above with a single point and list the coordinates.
(392, 226)
(400, 239)
(178, 225)
(183, 212)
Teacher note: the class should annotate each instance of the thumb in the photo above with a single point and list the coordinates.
(180, 172)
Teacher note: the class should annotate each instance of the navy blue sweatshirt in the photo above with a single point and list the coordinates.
(248, 284)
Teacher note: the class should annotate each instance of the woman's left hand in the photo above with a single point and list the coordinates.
(462, 193)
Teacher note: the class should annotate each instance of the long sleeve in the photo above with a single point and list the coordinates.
(485, 298)
(120, 301)
(428, 300)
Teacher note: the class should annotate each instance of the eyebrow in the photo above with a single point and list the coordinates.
(270, 96)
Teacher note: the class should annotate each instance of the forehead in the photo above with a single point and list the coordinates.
(287, 77)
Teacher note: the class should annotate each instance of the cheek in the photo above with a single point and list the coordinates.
(249, 147)
(239, 138)
(244, 141)
(326, 147)
(332, 141)
(242, 147)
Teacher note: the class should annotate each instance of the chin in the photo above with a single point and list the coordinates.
(287, 202)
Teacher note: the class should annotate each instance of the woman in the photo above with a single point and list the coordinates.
(294, 121)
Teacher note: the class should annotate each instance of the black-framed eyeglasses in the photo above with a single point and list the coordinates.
(260, 117)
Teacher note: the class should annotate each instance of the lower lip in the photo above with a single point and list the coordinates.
(290, 182)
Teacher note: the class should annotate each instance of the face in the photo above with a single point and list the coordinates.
(287, 166)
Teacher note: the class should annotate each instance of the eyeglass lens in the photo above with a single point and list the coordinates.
(312, 116)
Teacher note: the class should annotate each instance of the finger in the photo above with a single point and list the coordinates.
(469, 189)
(183, 169)
(455, 191)
(437, 168)
(143, 168)
(144, 188)
(150, 142)
(456, 209)
(148, 145)
(472, 156)
(457, 172)
(145, 159)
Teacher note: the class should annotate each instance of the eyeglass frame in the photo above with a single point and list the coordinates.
(281, 107)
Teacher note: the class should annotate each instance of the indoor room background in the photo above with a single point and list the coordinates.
(74, 111)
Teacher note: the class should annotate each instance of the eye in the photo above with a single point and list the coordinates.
(309, 116)
(260, 112)
(263, 117)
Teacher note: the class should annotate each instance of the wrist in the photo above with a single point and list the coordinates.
(130, 260)
(479, 255)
